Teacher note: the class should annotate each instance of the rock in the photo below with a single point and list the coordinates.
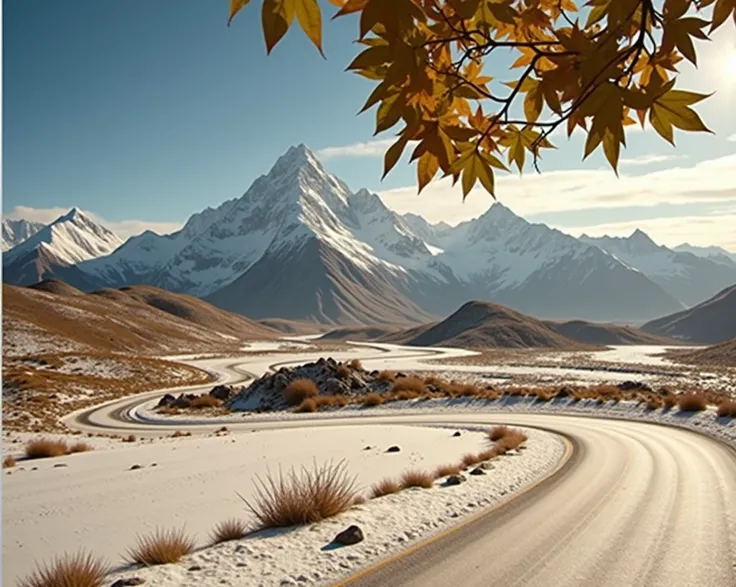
(369, 447)
(166, 401)
(135, 467)
(351, 535)
(564, 392)
(456, 434)
(221, 392)
(57, 465)
(454, 480)
(129, 581)
(334, 386)
(280, 381)
(194, 568)
(393, 449)
(477, 471)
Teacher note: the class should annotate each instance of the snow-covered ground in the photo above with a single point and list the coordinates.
(97, 501)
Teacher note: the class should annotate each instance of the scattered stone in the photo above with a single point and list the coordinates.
(302, 579)
(34, 469)
(221, 392)
(57, 465)
(477, 471)
(241, 564)
(128, 582)
(457, 433)
(167, 401)
(393, 449)
(135, 467)
(487, 466)
(351, 535)
(194, 568)
(454, 480)
(154, 464)
(369, 447)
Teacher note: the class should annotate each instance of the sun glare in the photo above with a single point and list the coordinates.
(729, 65)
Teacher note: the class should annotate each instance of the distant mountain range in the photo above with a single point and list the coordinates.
(16, 231)
(300, 245)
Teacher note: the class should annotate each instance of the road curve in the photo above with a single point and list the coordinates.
(637, 505)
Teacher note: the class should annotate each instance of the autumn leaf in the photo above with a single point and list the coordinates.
(672, 109)
(310, 19)
(235, 7)
(277, 16)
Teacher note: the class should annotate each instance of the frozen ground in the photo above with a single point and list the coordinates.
(94, 500)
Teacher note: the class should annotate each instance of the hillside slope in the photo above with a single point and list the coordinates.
(606, 334)
(722, 354)
(485, 325)
(711, 322)
(141, 320)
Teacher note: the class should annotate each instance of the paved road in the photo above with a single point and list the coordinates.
(636, 505)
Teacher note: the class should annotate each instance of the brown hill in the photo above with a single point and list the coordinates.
(606, 334)
(293, 326)
(711, 322)
(723, 355)
(360, 333)
(484, 325)
(50, 317)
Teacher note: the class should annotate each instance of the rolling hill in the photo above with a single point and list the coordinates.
(606, 334)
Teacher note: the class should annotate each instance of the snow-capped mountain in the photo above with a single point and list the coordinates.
(300, 244)
(16, 231)
(716, 254)
(690, 278)
(57, 248)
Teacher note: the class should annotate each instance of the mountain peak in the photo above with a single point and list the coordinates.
(642, 240)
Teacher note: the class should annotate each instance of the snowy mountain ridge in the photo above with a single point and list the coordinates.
(16, 231)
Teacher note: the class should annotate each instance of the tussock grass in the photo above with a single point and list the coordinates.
(343, 371)
(160, 548)
(372, 399)
(303, 497)
(355, 364)
(513, 439)
(654, 403)
(385, 487)
(205, 401)
(405, 395)
(691, 402)
(8, 462)
(469, 459)
(387, 376)
(487, 455)
(129, 438)
(70, 570)
(308, 405)
(727, 409)
(232, 529)
(43, 448)
(446, 470)
(670, 402)
(498, 432)
(416, 478)
(409, 384)
(435, 382)
(299, 390)
(359, 500)
(80, 447)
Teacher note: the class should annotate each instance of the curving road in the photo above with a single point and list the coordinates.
(636, 505)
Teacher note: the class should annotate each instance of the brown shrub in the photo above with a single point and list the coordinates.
(691, 402)
(45, 448)
(407, 395)
(385, 487)
(205, 401)
(77, 570)
(513, 439)
(409, 384)
(670, 402)
(387, 376)
(727, 409)
(129, 438)
(498, 432)
(487, 455)
(308, 405)
(356, 364)
(415, 478)
(160, 548)
(359, 500)
(80, 447)
(232, 529)
(372, 399)
(464, 390)
(445, 470)
(343, 371)
(340, 400)
(469, 459)
(435, 382)
(299, 390)
(321, 401)
(654, 403)
(8, 462)
(302, 498)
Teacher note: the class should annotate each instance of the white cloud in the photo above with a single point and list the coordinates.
(369, 149)
(732, 138)
(123, 228)
(574, 190)
(649, 159)
(703, 230)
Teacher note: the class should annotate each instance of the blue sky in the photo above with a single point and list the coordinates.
(144, 113)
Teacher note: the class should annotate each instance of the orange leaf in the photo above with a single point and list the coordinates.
(277, 16)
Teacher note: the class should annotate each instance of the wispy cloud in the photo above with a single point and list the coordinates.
(123, 228)
(649, 160)
(368, 149)
(573, 190)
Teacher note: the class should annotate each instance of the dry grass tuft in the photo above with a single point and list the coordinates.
(691, 402)
(670, 402)
(359, 500)
(343, 371)
(387, 376)
(80, 447)
(654, 403)
(299, 390)
(302, 498)
(45, 447)
(8, 462)
(129, 438)
(421, 479)
(161, 548)
(356, 364)
(498, 432)
(232, 529)
(205, 401)
(513, 439)
(727, 409)
(487, 455)
(469, 459)
(71, 570)
(308, 405)
(372, 399)
(409, 384)
(445, 470)
(385, 487)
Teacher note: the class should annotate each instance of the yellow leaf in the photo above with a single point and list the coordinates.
(310, 18)
(393, 155)
(533, 102)
(235, 7)
(351, 6)
(426, 169)
(277, 16)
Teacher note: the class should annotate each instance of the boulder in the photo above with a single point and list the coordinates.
(454, 480)
(456, 434)
(166, 401)
(351, 535)
(477, 471)
(221, 392)
(393, 449)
